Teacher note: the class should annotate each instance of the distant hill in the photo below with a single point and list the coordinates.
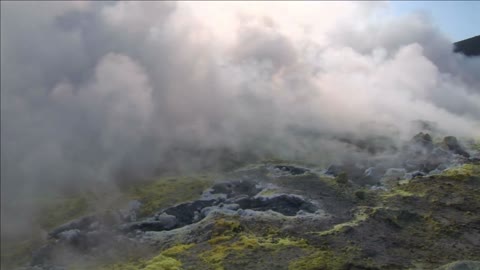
(468, 47)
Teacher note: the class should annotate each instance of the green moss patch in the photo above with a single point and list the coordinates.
(245, 243)
(168, 191)
(462, 172)
(323, 259)
(62, 210)
(166, 260)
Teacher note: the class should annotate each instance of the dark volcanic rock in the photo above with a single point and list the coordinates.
(468, 47)
(187, 213)
(334, 169)
(352, 169)
(291, 169)
(423, 140)
(450, 143)
(287, 205)
(82, 223)
(150, 225)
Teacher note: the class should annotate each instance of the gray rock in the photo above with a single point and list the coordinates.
(290, 170)
(163, 222)
(167, 220)
(422, 142)
(461, 265)
(392, 176)
(414, 174)
(334, 169)
(82, 223)
(70, 235)
(188, 213)
(285, 204)
(451, 144)
(371, 176)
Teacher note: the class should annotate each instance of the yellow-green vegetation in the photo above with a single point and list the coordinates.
(269, 192)
(230, 238)
(476, 144)
(18, 253)
(361, 215)
(323, 259)
(164, 261)
(58, 211)
(462, 172)
(223, 227)
(246, 242)
(400, 192)
(168, 191)
(53, 212)
(175, 250)
(342, 178)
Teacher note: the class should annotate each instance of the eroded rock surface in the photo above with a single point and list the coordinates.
(416, 210)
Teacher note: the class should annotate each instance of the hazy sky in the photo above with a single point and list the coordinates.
(458, 19)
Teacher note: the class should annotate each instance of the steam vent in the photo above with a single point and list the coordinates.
(240, 135)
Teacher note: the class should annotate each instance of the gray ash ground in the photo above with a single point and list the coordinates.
(409, 211)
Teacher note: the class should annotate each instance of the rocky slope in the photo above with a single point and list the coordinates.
(469, 47)
(417, 209)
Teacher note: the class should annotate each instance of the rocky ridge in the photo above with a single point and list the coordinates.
(417, 209)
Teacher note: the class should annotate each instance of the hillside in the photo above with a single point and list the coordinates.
(468, 47)
(277, 214)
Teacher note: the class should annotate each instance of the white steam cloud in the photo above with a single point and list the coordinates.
(91, 91)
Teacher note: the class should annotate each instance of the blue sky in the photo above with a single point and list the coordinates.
(458, 19)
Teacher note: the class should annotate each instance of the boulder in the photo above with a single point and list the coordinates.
(188, 213)
(423, 140)
(451, 144)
